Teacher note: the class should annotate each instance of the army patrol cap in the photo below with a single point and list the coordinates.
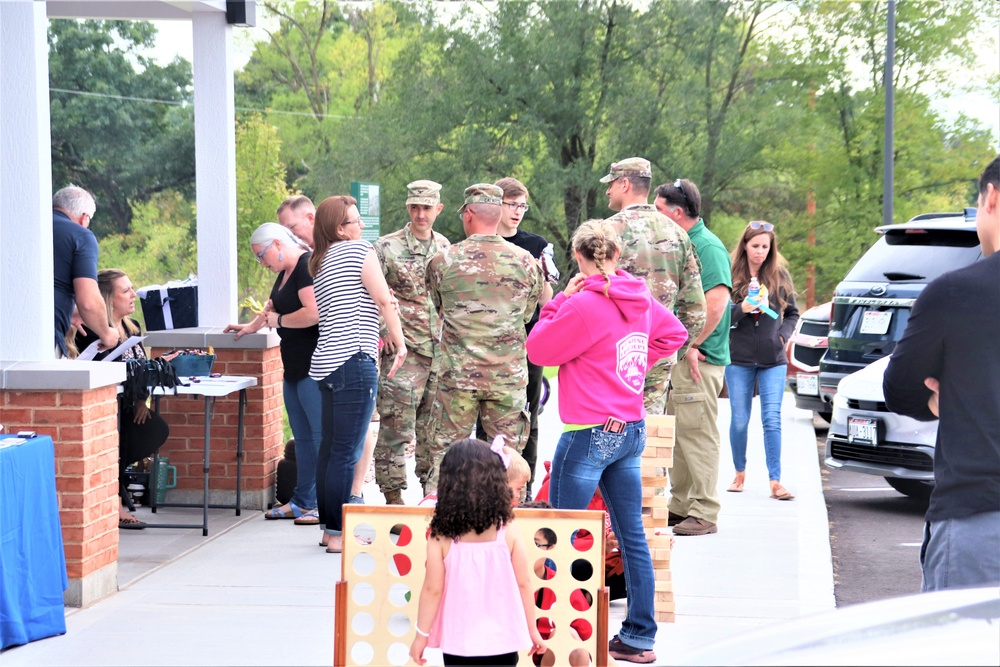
(425, 193)
(482, 193)
(631, 166)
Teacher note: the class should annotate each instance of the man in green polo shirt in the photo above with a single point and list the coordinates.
(697, 378)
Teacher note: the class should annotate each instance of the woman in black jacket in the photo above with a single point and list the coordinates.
(756, 346)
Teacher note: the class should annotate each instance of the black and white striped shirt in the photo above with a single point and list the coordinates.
(348, 317)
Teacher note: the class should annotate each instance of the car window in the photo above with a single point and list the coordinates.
(916, 255)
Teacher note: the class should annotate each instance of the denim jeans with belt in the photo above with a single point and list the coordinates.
(348, 400)
(304, 407)
(771, 384)
(592, 458)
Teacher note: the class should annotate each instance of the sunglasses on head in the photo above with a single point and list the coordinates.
(760, 224)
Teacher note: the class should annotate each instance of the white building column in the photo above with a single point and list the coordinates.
(215, 168)
(27, 316)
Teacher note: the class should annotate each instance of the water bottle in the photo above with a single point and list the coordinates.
(753, 291)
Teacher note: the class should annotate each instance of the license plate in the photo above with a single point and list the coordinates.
(862, 430)
(875, 322)
(807, 384)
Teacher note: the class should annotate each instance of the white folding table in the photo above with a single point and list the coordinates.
(210, 388)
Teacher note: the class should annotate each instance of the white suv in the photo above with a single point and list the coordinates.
(865, 437)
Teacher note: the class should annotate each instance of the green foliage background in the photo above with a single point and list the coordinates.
(766, 105)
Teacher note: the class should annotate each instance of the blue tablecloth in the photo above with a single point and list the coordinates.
(32, 563)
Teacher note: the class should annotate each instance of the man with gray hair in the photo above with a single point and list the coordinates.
(74, 264)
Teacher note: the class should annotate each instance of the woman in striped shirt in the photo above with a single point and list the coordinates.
(351, 292)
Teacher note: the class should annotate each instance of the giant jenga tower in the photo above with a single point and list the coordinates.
(656, 458)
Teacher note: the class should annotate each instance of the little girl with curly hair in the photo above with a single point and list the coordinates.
(471, 558)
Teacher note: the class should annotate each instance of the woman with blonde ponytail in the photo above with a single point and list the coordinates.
(603, 331)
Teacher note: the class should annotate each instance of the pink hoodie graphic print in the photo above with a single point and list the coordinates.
(633, 351)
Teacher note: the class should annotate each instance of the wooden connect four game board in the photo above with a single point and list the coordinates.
(382, 574)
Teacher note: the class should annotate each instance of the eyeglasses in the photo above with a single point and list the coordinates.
(350, 222)
(260, 255)
(760, 224)
(514, 206)
(542, 545)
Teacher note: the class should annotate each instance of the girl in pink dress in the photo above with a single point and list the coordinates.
(473, 559)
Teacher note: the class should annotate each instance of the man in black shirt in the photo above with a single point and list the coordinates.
(513, 210)
(947, 365)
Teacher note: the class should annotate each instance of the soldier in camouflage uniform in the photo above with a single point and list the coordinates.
(405, 400)
(486, 289)
(656, 249)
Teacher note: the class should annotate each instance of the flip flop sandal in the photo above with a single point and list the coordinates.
(131, 523)
(310, 518)
(783, 494)
(276, 513)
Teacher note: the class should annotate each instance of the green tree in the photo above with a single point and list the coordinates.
(260, 189)
(120, 123)
(161, 246)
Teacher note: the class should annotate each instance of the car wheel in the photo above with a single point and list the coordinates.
(914, 488)
(826, 416)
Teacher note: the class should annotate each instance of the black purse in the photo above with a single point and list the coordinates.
(142, 375)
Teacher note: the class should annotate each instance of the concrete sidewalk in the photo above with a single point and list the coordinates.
(259, 592)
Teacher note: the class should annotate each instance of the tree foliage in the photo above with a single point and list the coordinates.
(161, 245)
(260, 189)
(119, 123)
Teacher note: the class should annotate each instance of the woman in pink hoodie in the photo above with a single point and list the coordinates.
(603, 331)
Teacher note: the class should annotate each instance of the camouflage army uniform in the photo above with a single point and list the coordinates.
(404, 401)
(656, 249)
(487, 290)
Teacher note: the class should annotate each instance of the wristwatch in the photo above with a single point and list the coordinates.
(279, 320)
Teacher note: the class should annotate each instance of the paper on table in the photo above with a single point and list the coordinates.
(90, 352)
(127, 345)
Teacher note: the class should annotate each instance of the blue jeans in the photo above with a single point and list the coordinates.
(348, 400)
(590, 458)
(304, 406)
(961, 553)
(771, 384)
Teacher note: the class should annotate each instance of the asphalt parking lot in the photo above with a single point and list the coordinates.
(875, 533)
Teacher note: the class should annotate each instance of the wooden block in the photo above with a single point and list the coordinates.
(657, 482)
(663, 575)
(660, 512)
(648, 492)
(663, 586)
(659, 542)
(656, 501)
(668, 462)
(661, 554)
(663, 597)
(665, 617)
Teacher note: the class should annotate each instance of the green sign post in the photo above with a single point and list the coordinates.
(368, 198)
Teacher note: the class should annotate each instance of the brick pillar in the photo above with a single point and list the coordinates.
(262, 435)
(84, 427)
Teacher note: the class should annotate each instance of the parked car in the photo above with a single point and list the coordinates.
(951, 627)
(804, 350)
(871, 305)
(865, 437)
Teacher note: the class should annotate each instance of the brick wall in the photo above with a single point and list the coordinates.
(84, 428)
(262, 435)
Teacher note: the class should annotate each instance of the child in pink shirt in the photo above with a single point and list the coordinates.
(472, 557)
